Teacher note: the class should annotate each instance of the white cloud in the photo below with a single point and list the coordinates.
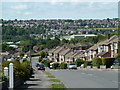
(19, 7)
(27, 13)
(24, 13)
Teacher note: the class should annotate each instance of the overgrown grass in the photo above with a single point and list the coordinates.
(58, 86)
(54, 80)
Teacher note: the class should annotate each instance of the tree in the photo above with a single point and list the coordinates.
(42, 54)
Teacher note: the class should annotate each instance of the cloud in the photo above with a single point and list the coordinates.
(56, 2)
(27, 13)
(24, 13)
(19, 7)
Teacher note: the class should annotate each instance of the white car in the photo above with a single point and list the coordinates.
(72, 66)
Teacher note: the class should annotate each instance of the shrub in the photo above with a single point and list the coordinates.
(42, 61)
(55, 65)
(47, 63)
(87, 63)
(97, 62)
(33, 55)
(79, 62)
(23, 70)
(108, 61)
(63, 65)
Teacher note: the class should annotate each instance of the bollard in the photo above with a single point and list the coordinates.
(11, 76)
(6, 71)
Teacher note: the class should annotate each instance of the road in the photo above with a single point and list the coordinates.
(87, 78)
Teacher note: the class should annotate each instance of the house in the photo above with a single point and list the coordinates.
(56, 53)
(63, 53)
(51, 53)
(69, 57)
(107, 48)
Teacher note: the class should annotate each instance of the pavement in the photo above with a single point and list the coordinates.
(38, 79)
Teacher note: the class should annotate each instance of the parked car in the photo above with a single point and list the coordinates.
(116, 62)
(36, 64)
(72, 66)
(41, 67)
(51, 65)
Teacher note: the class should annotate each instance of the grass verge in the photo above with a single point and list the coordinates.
(54, 80)
(57, 86)
(51, 76)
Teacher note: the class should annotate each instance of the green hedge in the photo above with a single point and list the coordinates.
(63, 65)
(96, 62)
(79, 62)
(87, 63)
(47, 63)
(108, 61)
(55, 65)
(33, 55)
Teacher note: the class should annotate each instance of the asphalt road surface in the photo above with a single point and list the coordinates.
(87, 78)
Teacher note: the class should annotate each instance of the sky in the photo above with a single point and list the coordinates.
(58, 9)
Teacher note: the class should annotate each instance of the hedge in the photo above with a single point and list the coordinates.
(87, 63)
(33, 55)
(55, 65)
(79, 62)
(63, 65)
(108, 61)
(96, 62)
(47, 63)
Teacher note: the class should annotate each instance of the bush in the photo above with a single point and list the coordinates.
(79, 62)
(33, 55)
(47, 63)
(40, 59)
(108, 61)
(63, 65)
(23, 70)
(55, 65)
(97, 62)
(87, 63)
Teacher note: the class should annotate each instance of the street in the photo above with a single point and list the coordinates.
(87, 78)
